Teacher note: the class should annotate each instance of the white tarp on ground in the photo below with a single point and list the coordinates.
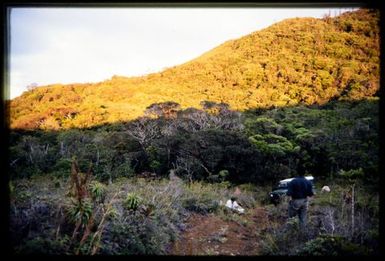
(234, 206)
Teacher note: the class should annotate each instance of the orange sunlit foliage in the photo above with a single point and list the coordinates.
(300, 60)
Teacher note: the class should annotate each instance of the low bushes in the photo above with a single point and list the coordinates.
(144, 216)
(330, 229)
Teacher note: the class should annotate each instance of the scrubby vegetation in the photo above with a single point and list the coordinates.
(123, 173)
(258, 146)
(332, 228)
(43, 220)
(149, 175)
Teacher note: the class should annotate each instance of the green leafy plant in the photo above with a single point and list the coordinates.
(80, 211)
(132, 201)
(98, 191)
(223, 174)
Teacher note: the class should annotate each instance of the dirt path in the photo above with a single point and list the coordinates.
(212, 235)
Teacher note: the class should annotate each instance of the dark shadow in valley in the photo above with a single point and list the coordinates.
(213, 143)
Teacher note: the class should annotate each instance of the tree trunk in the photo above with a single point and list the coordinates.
(168, 157)
(97, 157)
(353, 211)
(62, 149)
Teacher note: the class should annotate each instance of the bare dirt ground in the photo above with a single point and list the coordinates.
(221, 235)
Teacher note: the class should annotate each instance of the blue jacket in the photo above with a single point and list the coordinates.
(300, 188)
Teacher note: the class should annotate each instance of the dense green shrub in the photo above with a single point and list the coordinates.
(136, 234)
(327, 245)
(44, 246)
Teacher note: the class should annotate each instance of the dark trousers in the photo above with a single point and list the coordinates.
(298, 207)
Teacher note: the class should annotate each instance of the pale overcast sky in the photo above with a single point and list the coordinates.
(78, 45)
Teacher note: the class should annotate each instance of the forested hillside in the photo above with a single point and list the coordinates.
(296, 61)
(144, 165)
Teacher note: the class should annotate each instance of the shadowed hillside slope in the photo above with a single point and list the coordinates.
(300, 60)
